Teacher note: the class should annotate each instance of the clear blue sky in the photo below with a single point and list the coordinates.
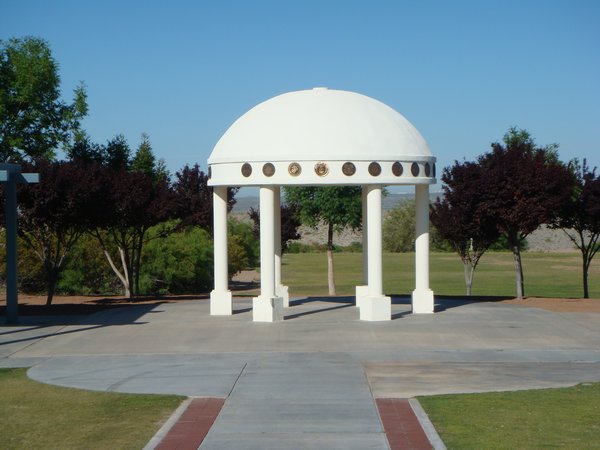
(462, 72)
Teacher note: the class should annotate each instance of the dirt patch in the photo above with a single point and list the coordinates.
(558, 304)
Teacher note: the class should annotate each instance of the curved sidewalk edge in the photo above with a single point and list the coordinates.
(428, 428)
(406, 425)
(188, 425)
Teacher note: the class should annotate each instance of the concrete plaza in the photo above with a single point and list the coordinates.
(309, 381)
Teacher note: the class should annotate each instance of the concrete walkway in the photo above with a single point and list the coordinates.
(310, 381)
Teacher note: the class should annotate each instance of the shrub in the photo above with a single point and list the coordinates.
(87, 271)
(399, 231)
(242, 234)
(399, 228)
(179, 263)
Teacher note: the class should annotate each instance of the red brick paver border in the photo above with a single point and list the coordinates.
(402, 428)
(193, 425)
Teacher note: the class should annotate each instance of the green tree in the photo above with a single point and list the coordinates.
(144, 161)
(34, 121)
(337, 207)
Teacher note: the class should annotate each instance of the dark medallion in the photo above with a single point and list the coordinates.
(414, 169)
(348, 169)
(269, 169)
(427, 169)
(433, 170)
(374, 169)
(321, 169)
(397, 169)
(209, 172)
(294, 169)
(246, 170)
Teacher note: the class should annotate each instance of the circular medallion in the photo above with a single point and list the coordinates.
(374, 169)
(427, 169)
(321, 169)
(269, 169)
(414, 169)
(397, 169)
(246, 170)
(348, 169)
(294, 169)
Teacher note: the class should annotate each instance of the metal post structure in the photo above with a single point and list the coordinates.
(10, 176)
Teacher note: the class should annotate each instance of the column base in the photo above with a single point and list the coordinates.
(282, 291)
(220, 303)
(361, 293)
(422, 301)
(267, 309)
(375, 308)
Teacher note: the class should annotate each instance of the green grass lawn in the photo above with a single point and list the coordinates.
(546, 274)
(35, 415)
(566, 418)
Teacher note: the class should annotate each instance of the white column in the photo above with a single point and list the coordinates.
(422, 296)
(267, 307)
(280, 289)
(220, 297)
(363, 290)
(375, 306)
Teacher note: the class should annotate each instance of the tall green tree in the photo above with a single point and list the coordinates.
(34, 120)
(580, 217)
(337, 207)
(522, 186)
(144, 161)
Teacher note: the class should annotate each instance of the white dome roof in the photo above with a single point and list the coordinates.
(320, 124)
(321, 136)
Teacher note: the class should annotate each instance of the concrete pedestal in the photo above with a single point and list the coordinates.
(361, 293)
(267, 309)
(422, 301)
(375, 308)
(282, 291)
(220, 303)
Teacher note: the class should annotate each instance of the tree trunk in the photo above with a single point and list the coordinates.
(118, 274)
(586, 265)
(518, 271)
(127, 271)
(137, 264)
(51, 281)
(468, 276)
(330, 278)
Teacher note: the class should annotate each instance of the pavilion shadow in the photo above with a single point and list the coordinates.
(316, 311)
(82, 314)
(350, 300)
(444, 302)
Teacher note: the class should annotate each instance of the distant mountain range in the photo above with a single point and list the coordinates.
(245, 203)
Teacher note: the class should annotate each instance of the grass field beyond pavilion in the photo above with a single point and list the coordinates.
(546, 274)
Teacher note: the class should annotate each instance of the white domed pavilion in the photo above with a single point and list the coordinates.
(321, 137)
